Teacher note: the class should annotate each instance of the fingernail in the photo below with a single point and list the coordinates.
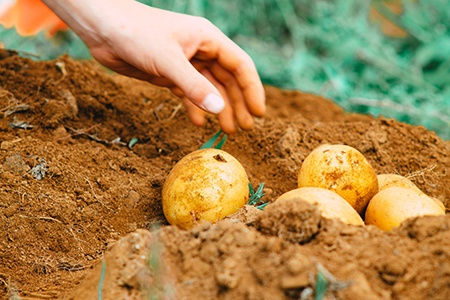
(213, 104)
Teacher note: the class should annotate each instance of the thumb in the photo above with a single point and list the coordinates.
(195, 87)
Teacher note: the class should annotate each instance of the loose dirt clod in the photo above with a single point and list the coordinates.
(294, 221)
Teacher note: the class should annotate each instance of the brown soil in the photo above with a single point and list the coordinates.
(80, 212)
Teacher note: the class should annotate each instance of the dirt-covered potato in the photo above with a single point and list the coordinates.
(393, 205)
(207, 184)
(343, 170)
(330, 204)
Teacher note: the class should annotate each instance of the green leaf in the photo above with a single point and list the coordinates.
(215, 139)
(255, 197)
(101, 281)
(132, 142)
(321, 286)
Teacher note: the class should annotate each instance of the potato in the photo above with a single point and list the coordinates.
(439, 202)
(330, 204)
(389, 180)
(207, 184)
(343, 170)
(393, 205)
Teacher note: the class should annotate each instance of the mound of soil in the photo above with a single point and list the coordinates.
(80, 201)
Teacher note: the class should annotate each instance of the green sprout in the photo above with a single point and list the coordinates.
(326, 282)
(215, 139)
(132, 142)
(321, 286)
(255, 197)
(101, 281)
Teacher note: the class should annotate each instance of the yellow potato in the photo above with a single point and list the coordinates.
(343, 170)
(390, 180)
(207, 184)
(393, 205)
(330, 204)
(439, 202)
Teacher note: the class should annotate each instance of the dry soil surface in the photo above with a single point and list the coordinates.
(80, 207)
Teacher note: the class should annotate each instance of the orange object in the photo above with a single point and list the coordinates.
(387, 26)
(30, 17)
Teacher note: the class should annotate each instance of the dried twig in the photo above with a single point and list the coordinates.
(420, 172)
(41, 218)
(156, 110)
(14, 109)
(175, 111)
(95, 195)
(93, 137)
(69, 267)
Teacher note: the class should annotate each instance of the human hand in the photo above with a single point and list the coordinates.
(187, 54)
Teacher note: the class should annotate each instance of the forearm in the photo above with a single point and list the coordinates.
(86, 17)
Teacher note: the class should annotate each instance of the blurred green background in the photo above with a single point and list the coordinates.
(324, 47)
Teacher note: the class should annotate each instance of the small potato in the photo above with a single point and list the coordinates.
(343, 170)
(439, 202)
(330, 204)
(390, 180)
(207, 184)
(393, 205)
